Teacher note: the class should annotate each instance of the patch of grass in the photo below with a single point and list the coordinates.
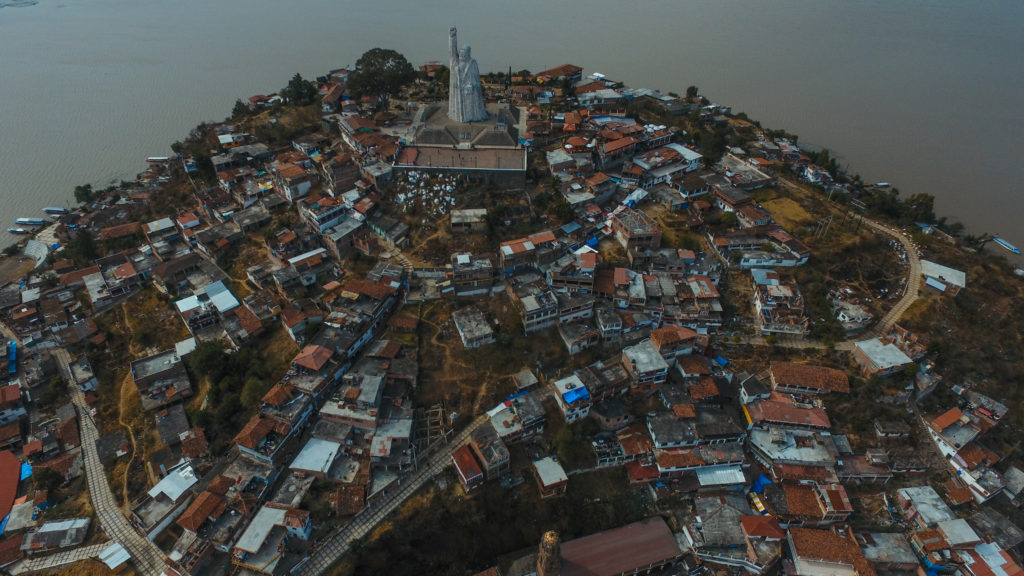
(788, 213)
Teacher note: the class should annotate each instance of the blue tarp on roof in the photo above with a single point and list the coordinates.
(575, 394)
(760, 483)
(721, 361)
(26, 470)
(593, 242)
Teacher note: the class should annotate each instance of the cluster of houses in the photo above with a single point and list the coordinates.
(757, 451)
(768, 477)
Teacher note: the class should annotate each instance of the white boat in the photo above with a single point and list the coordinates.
(19, 231)
(55, 210)
(30, 221)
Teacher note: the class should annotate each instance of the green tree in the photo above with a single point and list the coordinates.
(692, 92)
(382, 73)
(919, 208)
(81, 248)
(241, 110)
(84, 193)
(209, 360)
(252, 392)
(298, 91)
(561, 210)
(47, 479)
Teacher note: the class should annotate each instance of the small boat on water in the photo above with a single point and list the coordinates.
(57, 210)
(30, 221)
(19, 231)
(1006, 245)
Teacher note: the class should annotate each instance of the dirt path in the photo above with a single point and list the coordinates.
(131, 437)
(122, 409)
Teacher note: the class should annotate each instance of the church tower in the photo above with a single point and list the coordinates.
(549, 557)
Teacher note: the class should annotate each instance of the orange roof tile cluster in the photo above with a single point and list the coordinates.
(957, 492)
(256, 429)
(289, 171)
(313, 357)
(677, 458)
(684, 411)
(802, 500)
(947, 419)
(10, 550)
(220, 484)
(694, 365)
(194, 445)
(635, 440)
(206, 505)
(249, 321)
(563, 70)
(790, 374)
(668, 337)
(762, 527)
(375, 290)
(704, 389)
(620, 144)
(830, 547)
(788, 413)
(348, 499)
(10, 430)
(10, 468)
(119, 231)
(974, 455)
(72, 278)
(931, 539)
(639, 473)
(278, 394)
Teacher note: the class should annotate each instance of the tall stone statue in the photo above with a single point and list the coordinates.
(465, 95)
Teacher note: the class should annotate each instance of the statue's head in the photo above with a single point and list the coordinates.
(451, 31)
(464, 53)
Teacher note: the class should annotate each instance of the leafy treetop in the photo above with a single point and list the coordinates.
(382, 73)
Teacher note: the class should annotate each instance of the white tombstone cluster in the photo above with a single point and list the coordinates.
(434, 194)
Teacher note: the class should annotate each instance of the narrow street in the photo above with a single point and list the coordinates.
(336, 544)
(147, 558)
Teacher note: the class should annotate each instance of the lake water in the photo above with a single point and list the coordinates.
(925, 95)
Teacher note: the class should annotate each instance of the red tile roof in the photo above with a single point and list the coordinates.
(10, 430)
(790, 374)
(313, 357)
(220, 485)
(10, 394)
(695, 365)
(830, 547)
(10, 472)
(194, 445)
(802, 500)
(466, 463)
(620, 550)
(10, 550)
(704, 389)
(762, 527)
(278, 394)
(787, 413)
(947, 419)
(206, 505)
